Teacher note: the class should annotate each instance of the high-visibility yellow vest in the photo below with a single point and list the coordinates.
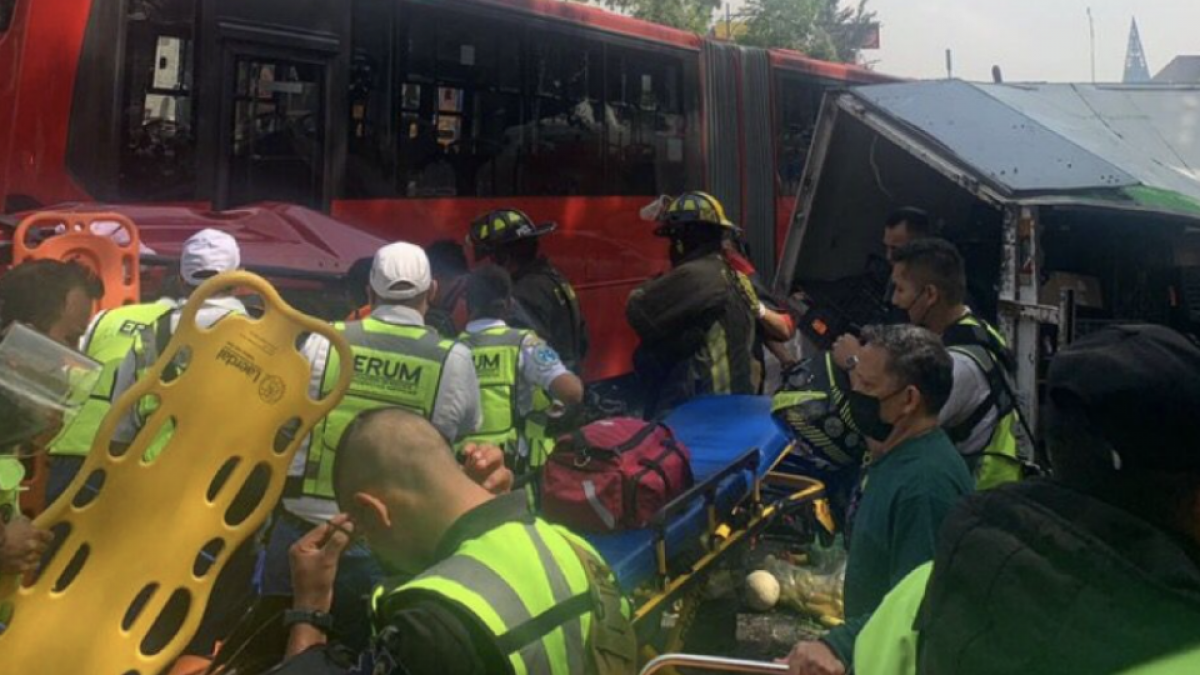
(497, 356)
(527, 587)
(541, 441)
(393, 366)
(115, 333)
(999, 462)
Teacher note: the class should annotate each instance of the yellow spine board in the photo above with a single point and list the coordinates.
(147, 530)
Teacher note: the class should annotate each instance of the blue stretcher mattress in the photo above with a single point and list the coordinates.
(717, 430)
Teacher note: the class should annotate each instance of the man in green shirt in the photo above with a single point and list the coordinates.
(901, 379)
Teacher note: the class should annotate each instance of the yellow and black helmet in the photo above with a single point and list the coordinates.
(504, 226)
(692, 208)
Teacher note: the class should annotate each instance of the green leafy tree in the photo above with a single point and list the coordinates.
(820, 28)
(693, 15)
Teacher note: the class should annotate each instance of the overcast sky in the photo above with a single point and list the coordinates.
(1032, 40)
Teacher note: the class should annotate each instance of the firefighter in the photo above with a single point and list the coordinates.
(981, 417)
(117, 339)
(485, 585)
(697, 321)
(512, 364)
(1093, 571)
(398, 361)
(448, 262)
(546, 301)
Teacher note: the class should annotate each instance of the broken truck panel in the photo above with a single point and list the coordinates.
(1004, 146)
(1075, 206)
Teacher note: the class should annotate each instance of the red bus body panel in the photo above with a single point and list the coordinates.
(37, 79)
(601, 245)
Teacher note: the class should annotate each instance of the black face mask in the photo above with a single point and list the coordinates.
(908, 310)
(865, 411)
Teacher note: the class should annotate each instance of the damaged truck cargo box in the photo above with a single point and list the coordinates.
(1074, 206)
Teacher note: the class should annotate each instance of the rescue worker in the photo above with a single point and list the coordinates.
(902, 227)
(546, 301)
(55, 299)
(398, 361)
(357, 279)
(449, 265)
(981, 417)
(775, 327)
(487, 587)
(696, 322)
(902, 378)
(512, 364)
(140, 333)
(115, 334)
(1096, 570)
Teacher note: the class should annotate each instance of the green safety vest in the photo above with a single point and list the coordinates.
(12, 472)
(999, 462)
(889, 643)
(114, 334)
(497, 356)
(394, 365)
(541, 441)
(526, 585)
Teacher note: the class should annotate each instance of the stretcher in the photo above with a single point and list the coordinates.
(140, 539)
(736, 448)
(710, 664)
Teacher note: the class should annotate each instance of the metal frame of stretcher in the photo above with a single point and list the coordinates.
(722, 534)
(728, 507)
(710, 663)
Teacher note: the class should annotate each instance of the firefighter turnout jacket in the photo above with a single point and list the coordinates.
(696, 325)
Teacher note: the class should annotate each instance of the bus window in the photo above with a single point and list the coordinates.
(460, 114)
(488, 111)
(7, 9)
(565, 114)
(647, 128)
(798, 105)
(158, 144)
(370, 157)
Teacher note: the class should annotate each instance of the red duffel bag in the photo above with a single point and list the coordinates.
(614, 475)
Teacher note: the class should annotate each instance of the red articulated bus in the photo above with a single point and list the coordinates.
(407, 118)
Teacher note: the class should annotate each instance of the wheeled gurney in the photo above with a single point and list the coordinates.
(736, 448)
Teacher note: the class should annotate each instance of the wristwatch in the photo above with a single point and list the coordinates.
(322, 621)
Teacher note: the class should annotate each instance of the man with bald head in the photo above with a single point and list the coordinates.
(496, 589)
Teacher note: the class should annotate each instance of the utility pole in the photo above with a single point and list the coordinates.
(949, 64)
(1092, 28)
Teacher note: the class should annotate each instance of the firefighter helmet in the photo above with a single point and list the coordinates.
(504, 226)
(692, 208)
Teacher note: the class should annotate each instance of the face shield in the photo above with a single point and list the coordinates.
(42, 386)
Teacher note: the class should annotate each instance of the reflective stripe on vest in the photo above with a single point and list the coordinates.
(492, 578)
(497, 356)
(999, 461)
(115, 332)
(541, 443)
(394, 365)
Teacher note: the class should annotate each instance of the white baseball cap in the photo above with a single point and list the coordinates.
(400, 271)
(208, 253)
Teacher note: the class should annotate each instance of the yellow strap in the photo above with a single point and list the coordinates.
(152, 519)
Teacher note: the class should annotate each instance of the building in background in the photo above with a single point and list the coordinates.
(1136, 70)
(1181, 70)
